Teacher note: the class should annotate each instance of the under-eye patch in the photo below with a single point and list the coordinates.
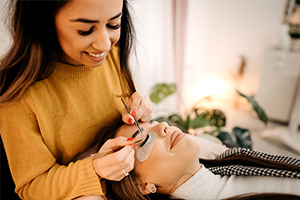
(143, 153)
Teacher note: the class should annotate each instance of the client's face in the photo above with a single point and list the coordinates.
(172, 155)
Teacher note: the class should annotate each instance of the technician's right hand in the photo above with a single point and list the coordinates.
(115, 166)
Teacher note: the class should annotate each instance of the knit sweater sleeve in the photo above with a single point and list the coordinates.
(34, 169)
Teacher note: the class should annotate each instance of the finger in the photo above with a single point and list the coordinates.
(127, 165)
(119, 156)
(134, 102)
(116, 142)
(127, 118)
(143, 107)
(130, 162)
(147, 111)
(119, 161)
(130, 165)
(105, 166)
(147, 115)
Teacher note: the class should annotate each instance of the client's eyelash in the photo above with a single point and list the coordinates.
(145, 141)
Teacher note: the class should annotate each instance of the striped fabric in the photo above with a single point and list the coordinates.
(242, 170)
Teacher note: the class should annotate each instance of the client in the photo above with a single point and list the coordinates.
(167, 166)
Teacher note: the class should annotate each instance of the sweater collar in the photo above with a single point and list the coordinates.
(72, 71)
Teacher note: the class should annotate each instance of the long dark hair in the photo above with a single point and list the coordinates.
(128, 187)
(35, 46)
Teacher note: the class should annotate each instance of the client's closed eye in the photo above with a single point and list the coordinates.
(145, 141)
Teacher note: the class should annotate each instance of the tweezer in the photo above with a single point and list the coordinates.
(112, 150)
(136, 122)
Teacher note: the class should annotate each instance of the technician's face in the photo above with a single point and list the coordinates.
(87, 30)
(173, 154)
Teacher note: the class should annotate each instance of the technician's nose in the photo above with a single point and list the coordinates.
(102, 41)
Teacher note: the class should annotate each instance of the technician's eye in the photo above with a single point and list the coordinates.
(115, 27)
(86, 32)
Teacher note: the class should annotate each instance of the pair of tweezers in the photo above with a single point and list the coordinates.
(136, 122)
(112, 150)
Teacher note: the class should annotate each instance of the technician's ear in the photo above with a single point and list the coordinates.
(147, 188)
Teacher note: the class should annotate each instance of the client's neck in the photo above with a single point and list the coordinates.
(184, 178)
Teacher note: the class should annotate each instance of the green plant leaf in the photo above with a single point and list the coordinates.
(198, 122)
(162, 90)
(260, 112)
(243, 137)
(226, 138)
(160, 119)
(216, 118)
(176, 119)
(172, 121)
(295, 31)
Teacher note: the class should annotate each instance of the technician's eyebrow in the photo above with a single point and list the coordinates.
(93, 21)
(84, 20)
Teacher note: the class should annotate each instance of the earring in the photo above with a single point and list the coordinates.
(153, 189)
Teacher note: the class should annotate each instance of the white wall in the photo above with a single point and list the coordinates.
(231, 28)
(4, 36)
(155, 63)
(218, 32)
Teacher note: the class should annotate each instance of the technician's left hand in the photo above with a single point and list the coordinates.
(141, 109)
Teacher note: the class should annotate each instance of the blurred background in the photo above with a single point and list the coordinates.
(209, 48)
(199, 43)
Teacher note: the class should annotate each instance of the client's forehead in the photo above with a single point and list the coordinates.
(126, 130)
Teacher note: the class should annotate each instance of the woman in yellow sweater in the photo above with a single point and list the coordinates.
(60, 82)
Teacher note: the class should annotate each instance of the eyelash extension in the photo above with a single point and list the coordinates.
(86, 32)
(145, 141)
(114, 27)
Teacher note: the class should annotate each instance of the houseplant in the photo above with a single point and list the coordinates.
(198, 117)
(294, 33)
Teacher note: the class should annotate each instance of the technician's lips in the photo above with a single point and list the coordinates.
(96, 56)
(176, 137)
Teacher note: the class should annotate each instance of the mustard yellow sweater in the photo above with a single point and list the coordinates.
(56, 119)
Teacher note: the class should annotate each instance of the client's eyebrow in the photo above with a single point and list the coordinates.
(93, 21)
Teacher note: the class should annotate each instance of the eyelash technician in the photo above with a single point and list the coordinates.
(59, 84)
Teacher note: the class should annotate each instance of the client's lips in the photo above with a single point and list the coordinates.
(176, 137)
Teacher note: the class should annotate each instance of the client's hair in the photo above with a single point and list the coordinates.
(128, 187)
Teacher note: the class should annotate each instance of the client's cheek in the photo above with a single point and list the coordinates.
(143, 153)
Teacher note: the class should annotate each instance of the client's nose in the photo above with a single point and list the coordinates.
(163, 129)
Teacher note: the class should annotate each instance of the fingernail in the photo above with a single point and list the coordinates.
(130, 121)
(130, 139)
(133, 113)
(132, 145)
